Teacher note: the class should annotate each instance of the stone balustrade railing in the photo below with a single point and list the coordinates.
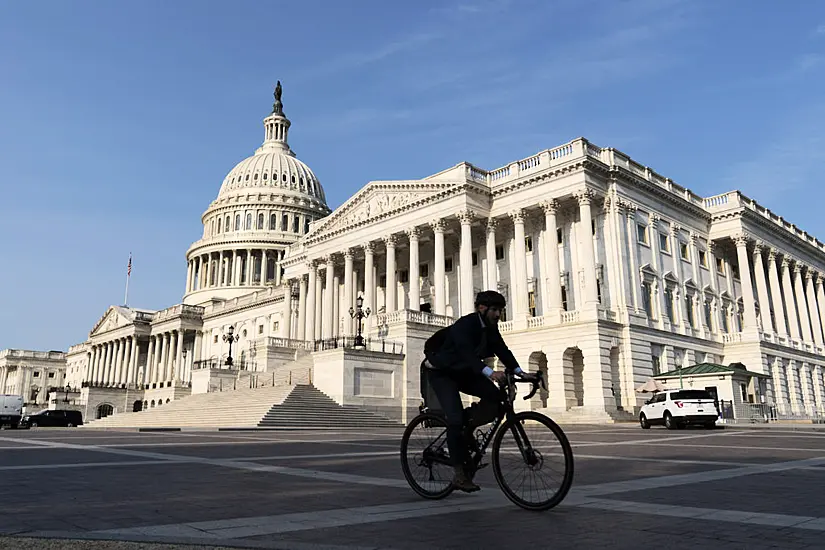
(28, 354)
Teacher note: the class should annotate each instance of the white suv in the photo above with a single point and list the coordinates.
(677, 408)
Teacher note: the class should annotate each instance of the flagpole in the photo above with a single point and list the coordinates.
(128, 274)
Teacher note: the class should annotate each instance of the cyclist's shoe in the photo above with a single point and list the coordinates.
(462, 482)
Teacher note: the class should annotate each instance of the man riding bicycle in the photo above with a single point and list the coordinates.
(455, 357)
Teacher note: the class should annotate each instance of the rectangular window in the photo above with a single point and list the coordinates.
(260, 329)
(703, 258)
(531, 300)
(664, 243)
(564, 298)
(647, 299)
(689, 310)
(475, 258)
(528, 243)
(499, 252)
(708, 318)
(720, 266)
(424, 270)
(683, 248)
(641, 233)
(403, 276)
(560, 236)
(669, 304)
(448, 265)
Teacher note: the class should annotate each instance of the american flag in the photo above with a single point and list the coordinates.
(129, 268)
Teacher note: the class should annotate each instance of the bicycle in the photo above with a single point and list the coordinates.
(436, 453)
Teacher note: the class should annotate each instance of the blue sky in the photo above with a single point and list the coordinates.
(119, 121)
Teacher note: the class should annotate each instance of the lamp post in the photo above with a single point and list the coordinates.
(231, 337)
(358, 314)
(68, 389)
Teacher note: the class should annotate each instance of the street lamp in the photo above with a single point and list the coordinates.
(68, 389)
(359, 315)
(230, 338)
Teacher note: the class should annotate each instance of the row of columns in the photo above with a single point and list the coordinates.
(796, 294)
(313, 297)
(113, 363)
(799, 387)
(232, 268)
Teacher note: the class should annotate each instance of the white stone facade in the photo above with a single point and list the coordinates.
(612, 272)
(32, 374)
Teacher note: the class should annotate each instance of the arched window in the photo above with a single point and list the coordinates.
(260, 221)
(248, 220)
(226, 225)
(295, 222)
(285, 223)
(219, 224)
(273, 222)
(237, 222)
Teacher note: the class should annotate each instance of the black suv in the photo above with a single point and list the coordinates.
(66, 419)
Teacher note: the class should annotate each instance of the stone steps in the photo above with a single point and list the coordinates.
(237, 408)
(308, 407)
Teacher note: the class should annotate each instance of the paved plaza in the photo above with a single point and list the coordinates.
(735, 487)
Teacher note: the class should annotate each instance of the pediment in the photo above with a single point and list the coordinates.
(689, 283)
(379, 200)
(669, 276)
(649, 270)
(115, 317)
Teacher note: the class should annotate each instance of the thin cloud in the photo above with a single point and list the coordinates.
(820, 30)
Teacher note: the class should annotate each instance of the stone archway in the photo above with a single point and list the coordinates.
(103, 410)
(573, 361)
(137, 406)
(537, 362)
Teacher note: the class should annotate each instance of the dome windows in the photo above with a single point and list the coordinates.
(264, 176)
(260, 221)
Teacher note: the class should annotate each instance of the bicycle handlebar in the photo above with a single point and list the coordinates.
(539, 381)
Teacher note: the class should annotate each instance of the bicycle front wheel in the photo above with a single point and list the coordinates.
(533, 461)
(425, 459)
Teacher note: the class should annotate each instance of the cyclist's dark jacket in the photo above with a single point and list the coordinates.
(463, 345)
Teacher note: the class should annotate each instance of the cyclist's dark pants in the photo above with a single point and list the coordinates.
(446, 385)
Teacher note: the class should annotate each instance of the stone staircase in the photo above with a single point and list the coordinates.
(308, 407)
(580, 415)
(235, 408)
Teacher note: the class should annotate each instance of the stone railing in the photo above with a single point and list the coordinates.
(245, 300)
(278, 342)
(144, 316)
(731, 337)
(180, 310)
(367, 344)
(734, 199)
(28, 354)
(412, 316)
(569, 317)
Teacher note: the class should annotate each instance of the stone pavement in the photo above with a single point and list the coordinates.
(731, 487)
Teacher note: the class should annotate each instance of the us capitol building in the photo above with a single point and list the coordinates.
(613, 273)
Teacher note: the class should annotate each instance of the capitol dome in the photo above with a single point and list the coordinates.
(265, 204)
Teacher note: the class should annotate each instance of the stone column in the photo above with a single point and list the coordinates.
(440, 304)
(133, 361)
(656, 257)
(390, 292)
(790, 304)
(465, 218)
(807, 335)
(591, 296)
(189, 276)
(492, 275)
(329, 295)
(348, 292)
(310, 302)
(148, 370)
(249, 271)
(176, 377)
(287, 317)
(552, 283)
(302, 308)
(813, 310)
(762, 288)
(369, 280)
(781, 325)
(413, 235)
(119, 356)
(745, 279)
(107, 354)
(633, 247)
(820, 298)
(519, 291)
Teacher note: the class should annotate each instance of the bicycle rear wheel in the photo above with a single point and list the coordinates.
(536, 446)
(424, 452)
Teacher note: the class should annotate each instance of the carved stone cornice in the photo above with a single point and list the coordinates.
(653, 221)
(675, 229)
(693, 236)
(711, 247)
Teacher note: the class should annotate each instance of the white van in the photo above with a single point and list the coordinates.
(11, 410)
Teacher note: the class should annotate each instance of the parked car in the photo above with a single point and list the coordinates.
(678, 408)
(52, 418)
(11, 410)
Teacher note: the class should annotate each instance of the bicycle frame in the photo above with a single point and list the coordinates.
(508, 390)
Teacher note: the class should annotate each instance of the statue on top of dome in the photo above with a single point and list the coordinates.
(278, 107)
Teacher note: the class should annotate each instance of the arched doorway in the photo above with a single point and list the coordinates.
(104, 410)
(573, 361)
(137, 406)
(538, 363)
